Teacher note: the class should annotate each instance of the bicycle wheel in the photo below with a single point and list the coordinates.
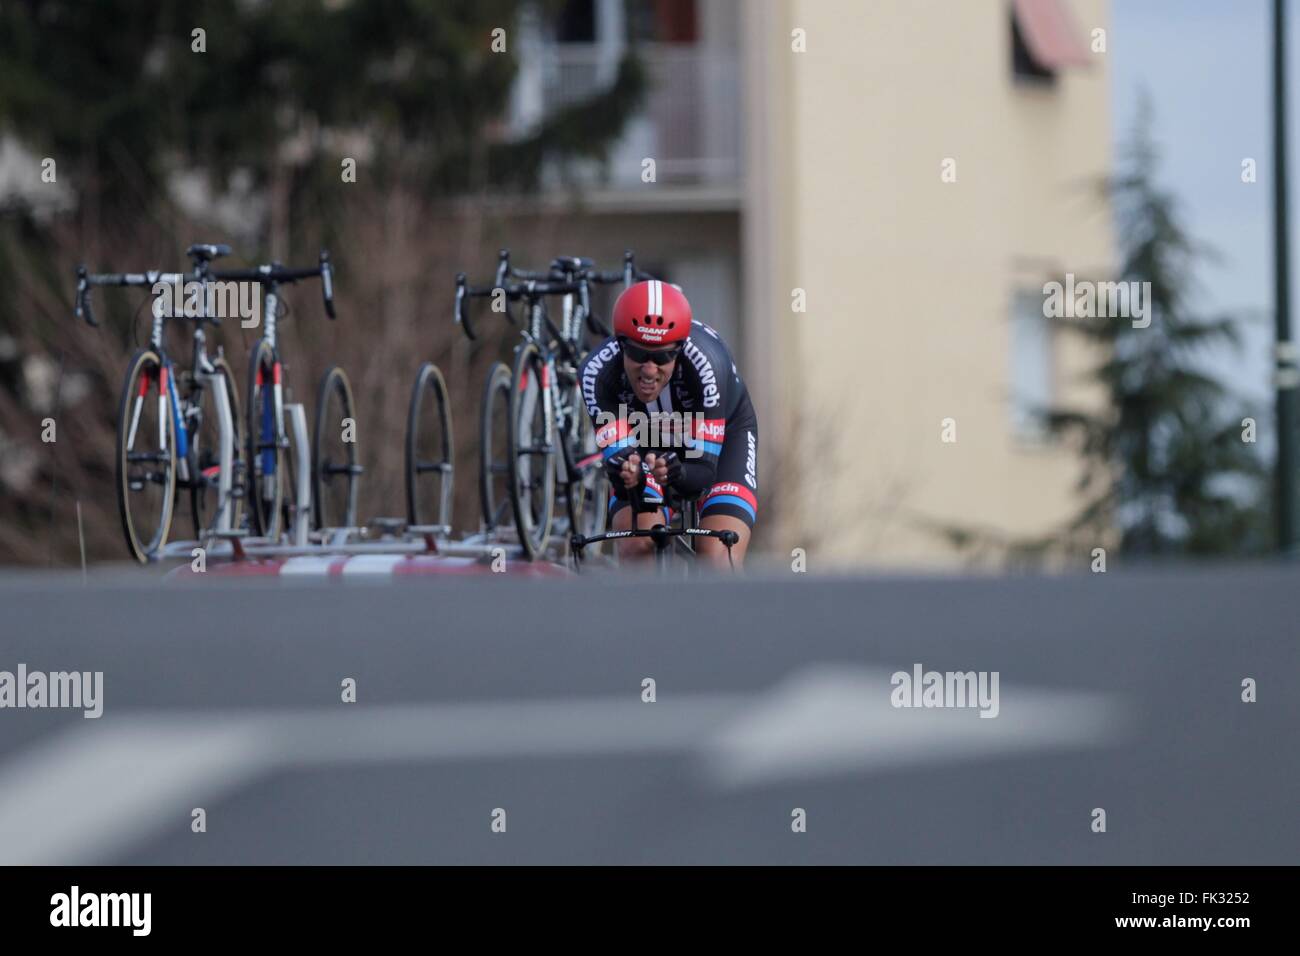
(532, 458)
(429, 450)
(334, 469)
(146, 456)
(265, 458)
(592, 498)
(494, 451)
(580, 481)
(205, 445)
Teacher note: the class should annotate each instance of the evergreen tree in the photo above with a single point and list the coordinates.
(123, 92)
(1164, 463)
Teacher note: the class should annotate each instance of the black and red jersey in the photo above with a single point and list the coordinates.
(703, 398)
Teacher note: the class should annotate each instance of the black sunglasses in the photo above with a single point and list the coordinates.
(640, 355)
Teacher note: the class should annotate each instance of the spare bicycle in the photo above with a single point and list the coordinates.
(172, 436)
(335, 470)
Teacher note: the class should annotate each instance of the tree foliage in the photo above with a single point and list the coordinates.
(120, 92)
(1164, 463)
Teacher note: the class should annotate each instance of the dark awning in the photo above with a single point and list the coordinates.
(1050, 33)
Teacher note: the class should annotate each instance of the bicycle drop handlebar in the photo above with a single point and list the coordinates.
(566, 276)
(267, 273)
(89, 280)
(533, 287)
(275, 273)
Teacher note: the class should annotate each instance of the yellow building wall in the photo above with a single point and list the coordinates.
(909, 278)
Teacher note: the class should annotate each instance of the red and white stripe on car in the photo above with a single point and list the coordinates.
(349, 567)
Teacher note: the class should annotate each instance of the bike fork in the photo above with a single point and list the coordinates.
(138, 408)
(548, 403)
(225, 451)
(281, 438)
(272, 436)
(182, 436)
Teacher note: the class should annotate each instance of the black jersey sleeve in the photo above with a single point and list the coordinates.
(716, 389)
(600, 376)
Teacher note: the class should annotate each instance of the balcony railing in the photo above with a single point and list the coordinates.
(689, 123)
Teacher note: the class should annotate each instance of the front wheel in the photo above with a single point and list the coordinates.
(265, 458)
(429, 451)
(581, 475)
(531, 450)
(334, 469)
(494, 450)
(591, 476)
(146, 456)
(205, 483)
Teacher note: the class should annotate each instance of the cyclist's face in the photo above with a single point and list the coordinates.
(647, 378)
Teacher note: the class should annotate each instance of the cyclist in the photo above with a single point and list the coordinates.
(665, 376)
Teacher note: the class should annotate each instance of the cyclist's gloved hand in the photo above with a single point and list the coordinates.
(625, 471)
(668, 469)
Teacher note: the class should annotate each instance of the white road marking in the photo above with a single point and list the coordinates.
(100, 787)
(832, 720)
(95, 790)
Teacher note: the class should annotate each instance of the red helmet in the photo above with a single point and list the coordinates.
(652, 313)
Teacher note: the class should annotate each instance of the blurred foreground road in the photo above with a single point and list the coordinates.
(1119, 691)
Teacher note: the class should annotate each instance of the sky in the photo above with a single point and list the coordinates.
(1206, 65)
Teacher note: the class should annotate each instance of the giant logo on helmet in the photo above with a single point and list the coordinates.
(651, 331)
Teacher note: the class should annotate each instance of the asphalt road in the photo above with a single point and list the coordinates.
(477, 695)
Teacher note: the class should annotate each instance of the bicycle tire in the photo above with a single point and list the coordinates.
(586, 491)
(532, 482)
(335, 474)
(131, 416)
(435, 459)
(493, 470)
(264, 493)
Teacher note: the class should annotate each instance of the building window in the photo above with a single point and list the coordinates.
(676, 20)
(576, 22)
(1033, 365)
(664, 21)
